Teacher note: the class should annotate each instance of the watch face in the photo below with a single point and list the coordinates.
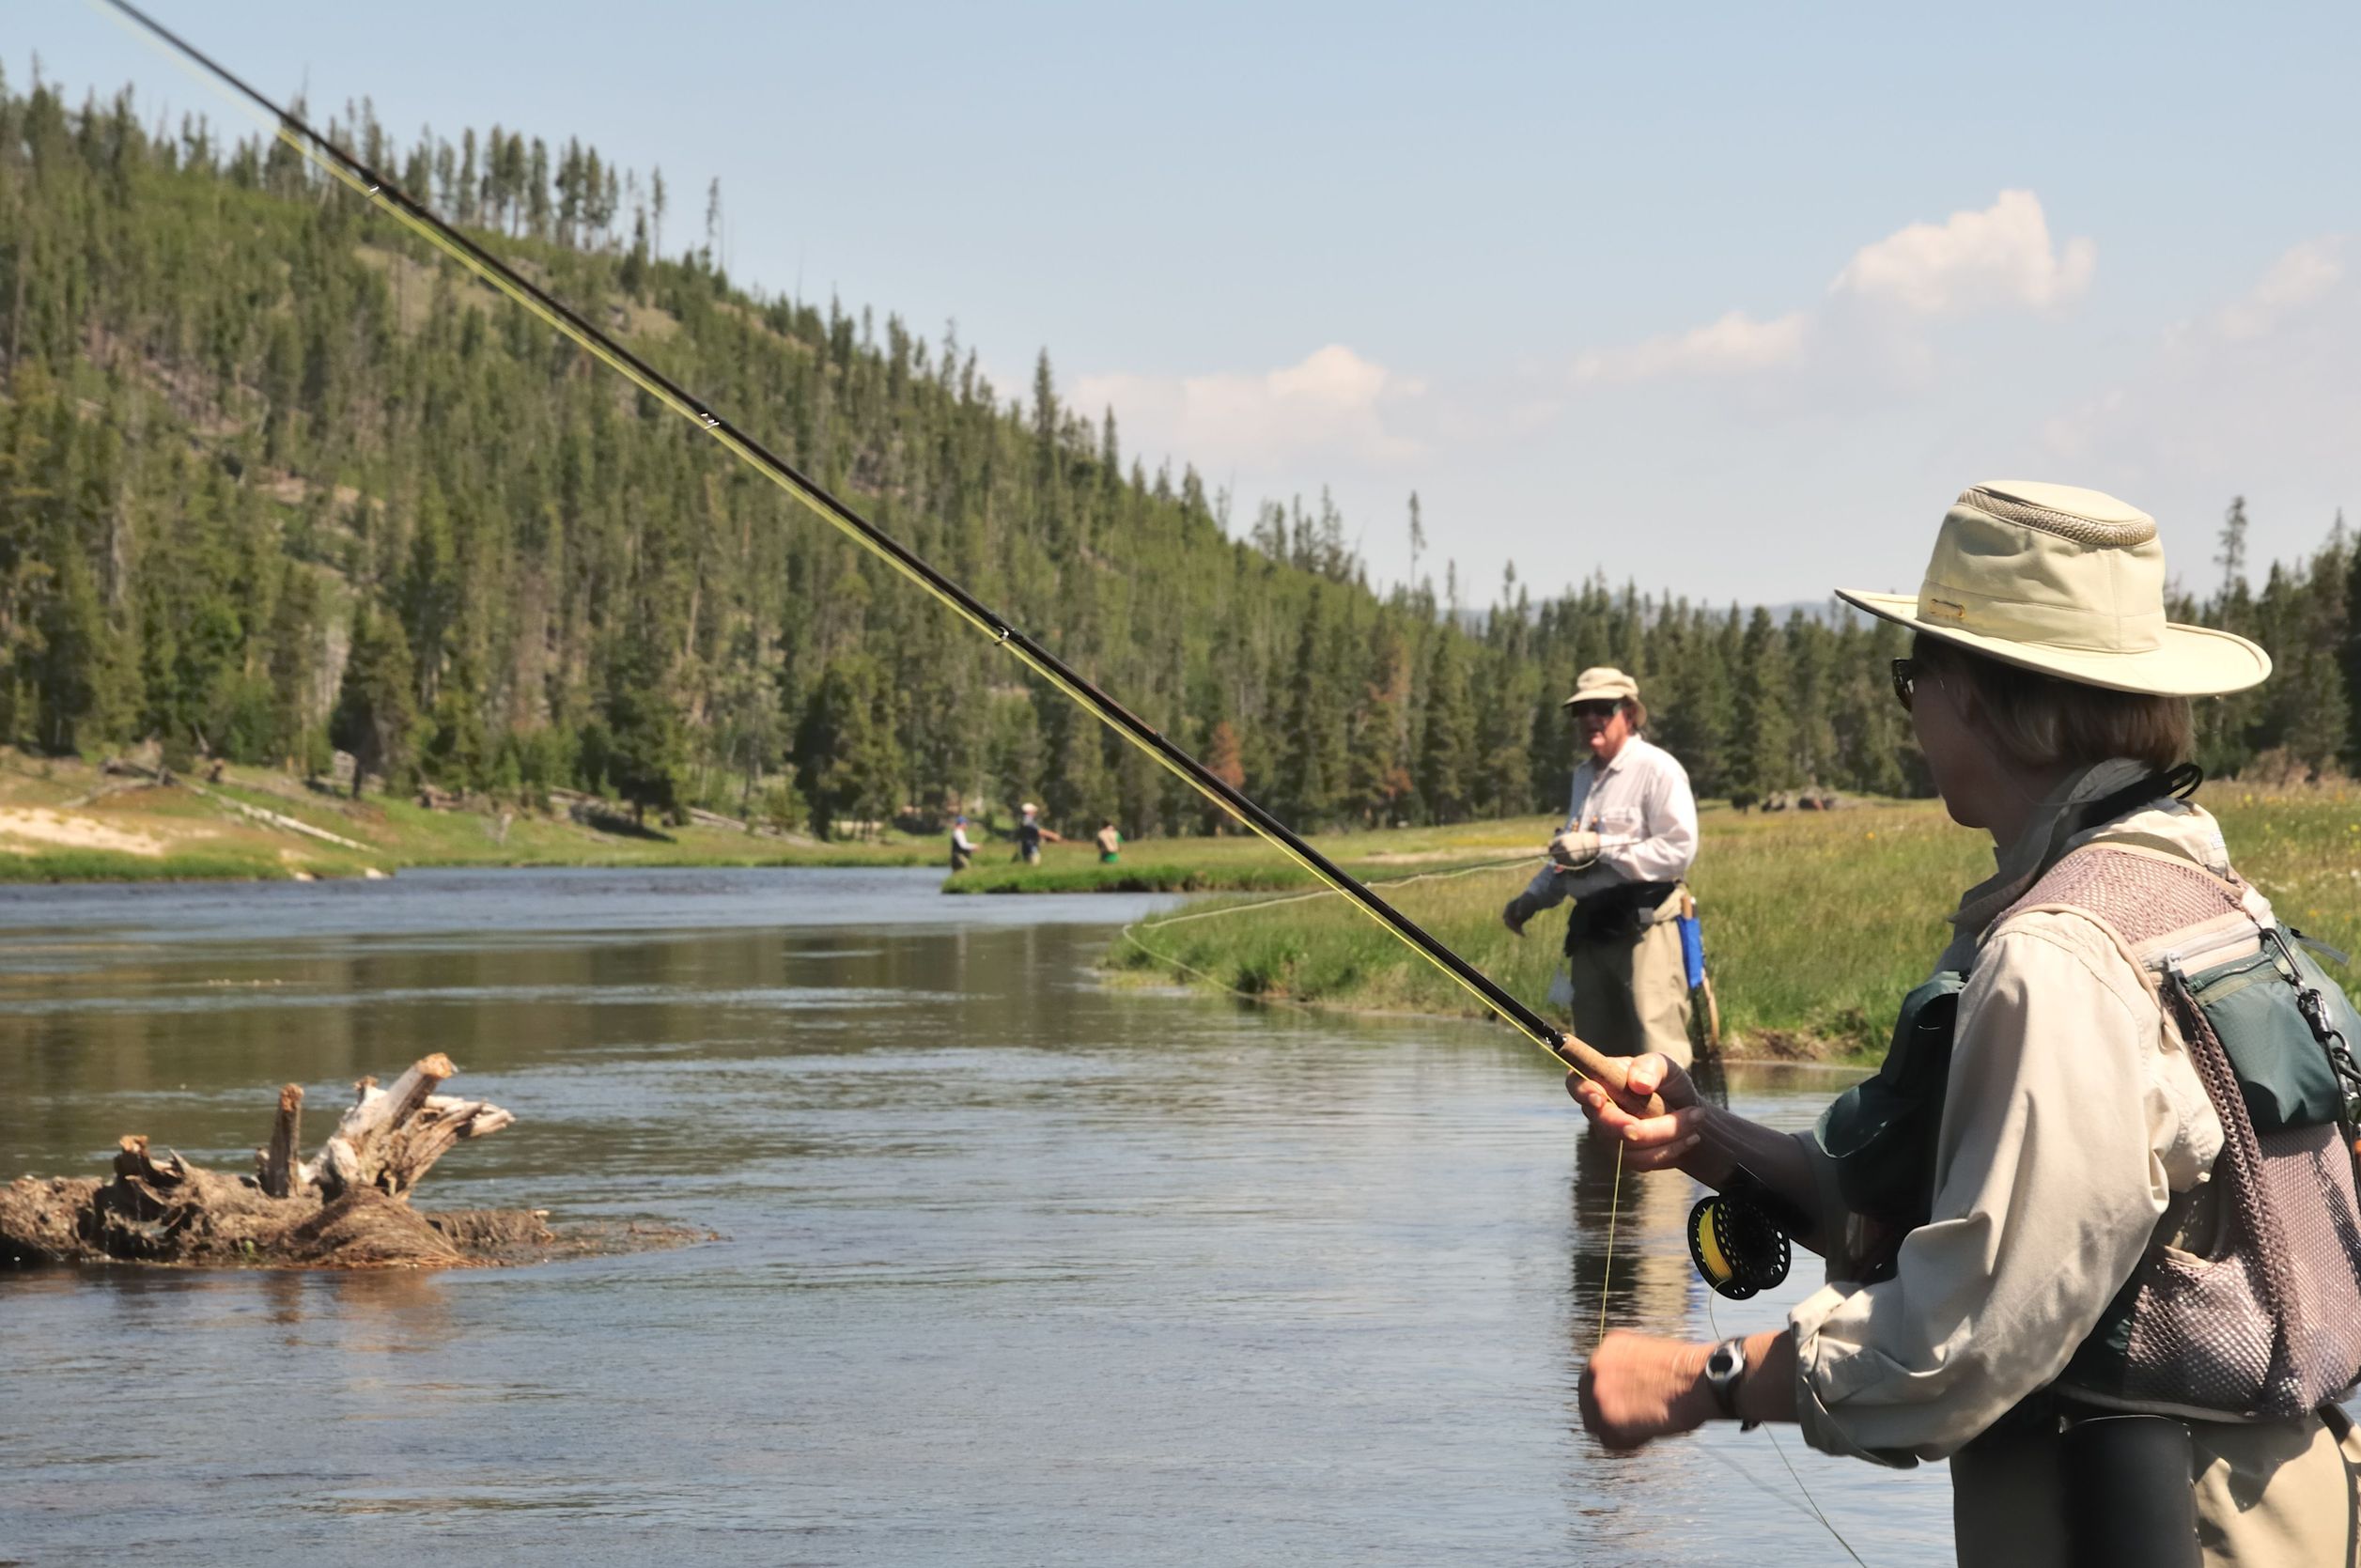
(1722, 1362)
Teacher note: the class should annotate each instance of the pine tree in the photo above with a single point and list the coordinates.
(1447, 758)
(1381, 788)
(1014, 756)
(1312, 774)
(848, 762)
(374, 715)
(1765, 742)
(1223, 761)
(1503, 783)
(1075, 786)
(458, 753)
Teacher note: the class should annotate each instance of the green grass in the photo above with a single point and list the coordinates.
(203, 840)
(110, 866)
(414, 836)
(1163, 877)
(1240, 862)
(1815, 923)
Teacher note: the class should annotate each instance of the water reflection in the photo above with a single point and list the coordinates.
(1019, 1268)
(1652, 1282)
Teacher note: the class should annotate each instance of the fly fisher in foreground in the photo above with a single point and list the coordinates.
(2091, 1231)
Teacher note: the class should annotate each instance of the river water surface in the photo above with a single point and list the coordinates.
(1017, 1269)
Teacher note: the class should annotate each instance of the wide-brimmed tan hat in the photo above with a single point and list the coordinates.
(1602, 683)
(2069, 583)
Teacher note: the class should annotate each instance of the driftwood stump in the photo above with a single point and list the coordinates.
(346, 1208)
(391, 1137)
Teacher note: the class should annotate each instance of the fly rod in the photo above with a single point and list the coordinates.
(422, 221)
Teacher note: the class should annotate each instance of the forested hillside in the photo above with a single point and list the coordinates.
(274, 479)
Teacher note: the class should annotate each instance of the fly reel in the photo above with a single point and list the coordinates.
(1737, 1237)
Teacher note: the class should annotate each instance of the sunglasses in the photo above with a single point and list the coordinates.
(1906, 681)
(1592, 711)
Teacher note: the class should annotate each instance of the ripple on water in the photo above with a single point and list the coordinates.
(1019, 1269)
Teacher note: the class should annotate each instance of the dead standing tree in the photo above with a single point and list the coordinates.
(346, 1208)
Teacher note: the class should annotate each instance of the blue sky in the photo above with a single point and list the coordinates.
(1728, 302)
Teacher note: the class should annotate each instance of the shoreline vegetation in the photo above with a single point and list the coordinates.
(1815, 923)
(62, 819)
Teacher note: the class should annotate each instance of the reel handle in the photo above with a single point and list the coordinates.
(1612, 1071)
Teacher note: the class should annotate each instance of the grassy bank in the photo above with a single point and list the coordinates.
(1240, 862)
(62, 820)
(1815, 923)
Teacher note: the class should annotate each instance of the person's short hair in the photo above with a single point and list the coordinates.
(2041, 720)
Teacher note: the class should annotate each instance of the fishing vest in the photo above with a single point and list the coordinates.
(2247, 1302)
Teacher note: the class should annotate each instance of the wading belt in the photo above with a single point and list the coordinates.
(1618, 914)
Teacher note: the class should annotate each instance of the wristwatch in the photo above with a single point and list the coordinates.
(1725, 1369)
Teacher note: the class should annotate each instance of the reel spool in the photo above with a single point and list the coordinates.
(1736, 1243)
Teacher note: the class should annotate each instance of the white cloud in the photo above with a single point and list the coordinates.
(2254, 398)
(2297, 279)
(1332, 402)
(1735, 344)
(2002, 256)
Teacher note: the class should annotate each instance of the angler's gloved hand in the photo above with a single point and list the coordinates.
(1521, 908)
(1574, 849)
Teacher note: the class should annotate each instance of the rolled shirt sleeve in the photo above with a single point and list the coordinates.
(2050, 1177)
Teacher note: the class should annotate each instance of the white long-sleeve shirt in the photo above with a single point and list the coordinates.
(1645, 815)
(2072, 1117)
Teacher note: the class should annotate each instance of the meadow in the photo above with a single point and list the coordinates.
(1815, 923)
(62, 820)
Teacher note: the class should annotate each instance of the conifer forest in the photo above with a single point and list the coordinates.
(275, 481)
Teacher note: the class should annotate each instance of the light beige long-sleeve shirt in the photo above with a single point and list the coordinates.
(2073, 1115)
(1645, 815)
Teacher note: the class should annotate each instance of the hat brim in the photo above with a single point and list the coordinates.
(2189, 661)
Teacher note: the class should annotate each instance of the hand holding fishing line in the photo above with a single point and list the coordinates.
(1655, 1111)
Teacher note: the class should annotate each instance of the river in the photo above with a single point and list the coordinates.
(1017, 1269)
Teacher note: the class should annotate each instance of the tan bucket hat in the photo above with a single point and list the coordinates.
(2069, 583)
(1602, 683)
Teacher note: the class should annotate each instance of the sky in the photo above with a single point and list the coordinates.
(1730, 303)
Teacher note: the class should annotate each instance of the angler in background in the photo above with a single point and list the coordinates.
(1109, 843)
(2091, 1231)
(1629, 840)
(1029, 832)
(962, 847)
